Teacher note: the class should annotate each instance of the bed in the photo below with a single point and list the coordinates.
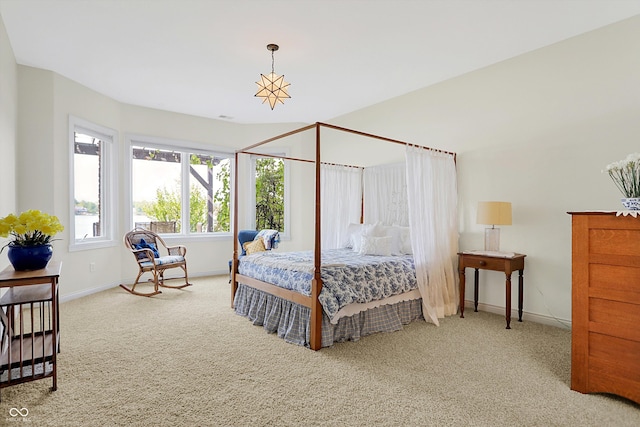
(319, 297)
(361, 294)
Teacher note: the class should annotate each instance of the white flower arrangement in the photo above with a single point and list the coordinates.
(626, 175)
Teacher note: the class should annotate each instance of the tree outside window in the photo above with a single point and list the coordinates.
(163, 199)
(270, 194)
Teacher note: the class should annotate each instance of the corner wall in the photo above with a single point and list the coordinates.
(45, 102)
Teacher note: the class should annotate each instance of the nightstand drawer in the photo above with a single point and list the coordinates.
(483, 263)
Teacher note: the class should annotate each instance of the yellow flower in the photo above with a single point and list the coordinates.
(4, 229)
(30, 228)
(20, 228)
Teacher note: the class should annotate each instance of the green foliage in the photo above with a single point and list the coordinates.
(168, 207)
(197, 209)
(222, 198)
(91, 207)
(269, 199)
(196, 159)
(270, 194)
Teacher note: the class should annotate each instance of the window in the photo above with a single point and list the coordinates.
(178, 190)
(92, 159)
(269, 179)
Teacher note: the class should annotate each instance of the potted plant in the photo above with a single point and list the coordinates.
(626, 175)
(32, 232)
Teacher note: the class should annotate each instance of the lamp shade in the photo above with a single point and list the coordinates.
(494, 213)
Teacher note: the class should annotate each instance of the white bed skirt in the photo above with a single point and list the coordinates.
(291, 321)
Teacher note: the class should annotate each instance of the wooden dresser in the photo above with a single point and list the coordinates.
(605, 338)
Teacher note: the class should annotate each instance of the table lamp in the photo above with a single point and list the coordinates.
(493, 213)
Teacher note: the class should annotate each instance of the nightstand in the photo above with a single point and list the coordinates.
(496, 261)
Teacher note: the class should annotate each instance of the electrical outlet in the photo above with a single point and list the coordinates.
(92, 267)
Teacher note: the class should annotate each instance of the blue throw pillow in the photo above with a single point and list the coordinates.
(144, 245)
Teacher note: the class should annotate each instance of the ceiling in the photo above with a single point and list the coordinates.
(203, 57)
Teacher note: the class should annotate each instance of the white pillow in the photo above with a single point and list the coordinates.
(372, 245)
(406, 241)
(354, 231)
(370, 230)
(395, 232)
(373, 230)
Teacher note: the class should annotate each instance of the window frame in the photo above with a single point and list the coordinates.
(185, 148)
(108, 192)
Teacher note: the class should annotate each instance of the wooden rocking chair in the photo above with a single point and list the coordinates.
(145, 247)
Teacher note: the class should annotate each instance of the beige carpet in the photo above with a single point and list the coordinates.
(183, 358)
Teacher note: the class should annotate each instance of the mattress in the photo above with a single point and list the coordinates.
(351, 282)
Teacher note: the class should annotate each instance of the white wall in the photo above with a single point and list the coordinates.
(535, 130)
(45, 102)
(206, 256)
(8, 130)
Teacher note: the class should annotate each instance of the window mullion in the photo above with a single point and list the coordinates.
(186, 162)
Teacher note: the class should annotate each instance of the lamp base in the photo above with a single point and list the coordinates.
(492, 239)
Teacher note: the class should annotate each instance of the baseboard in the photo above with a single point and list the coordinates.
(87, 292)
(531, 317)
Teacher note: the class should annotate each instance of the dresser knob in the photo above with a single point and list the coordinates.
(483, 263)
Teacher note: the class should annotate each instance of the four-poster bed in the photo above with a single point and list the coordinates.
(254, 286)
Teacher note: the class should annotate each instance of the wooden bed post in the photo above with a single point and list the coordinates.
(234, 263)
(316, 284)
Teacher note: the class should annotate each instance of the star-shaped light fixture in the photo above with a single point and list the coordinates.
(272, 87)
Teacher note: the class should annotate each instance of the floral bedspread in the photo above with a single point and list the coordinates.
(347, 276)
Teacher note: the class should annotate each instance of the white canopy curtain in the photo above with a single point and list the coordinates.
(385, 194)
(341, 196)
(433, 219)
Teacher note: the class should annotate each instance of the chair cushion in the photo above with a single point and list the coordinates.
(148, 245)
(164, 260)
